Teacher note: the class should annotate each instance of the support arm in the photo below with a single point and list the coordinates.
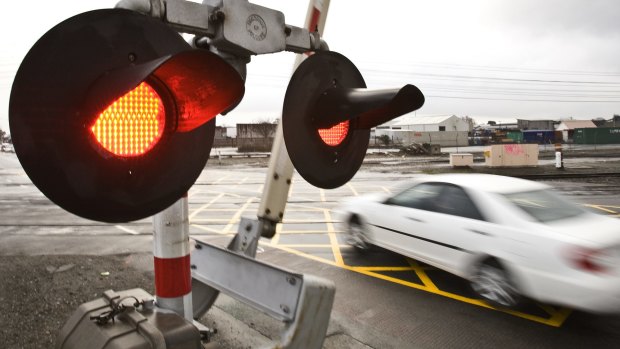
(235, 26)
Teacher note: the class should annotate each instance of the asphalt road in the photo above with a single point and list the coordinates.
(382, 301)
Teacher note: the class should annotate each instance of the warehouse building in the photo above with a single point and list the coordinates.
(567, 127)
(447, 131)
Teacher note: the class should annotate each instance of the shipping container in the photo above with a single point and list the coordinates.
(599, 135)
(539, 136)
(515, 136)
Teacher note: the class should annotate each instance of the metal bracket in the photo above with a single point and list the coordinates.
(234, 26)
(246, 239)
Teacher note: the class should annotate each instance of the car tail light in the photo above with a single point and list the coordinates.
(593, 260)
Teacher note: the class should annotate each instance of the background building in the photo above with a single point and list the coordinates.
(541, 125)
(256, 137)
(447, 131)
(567, 127)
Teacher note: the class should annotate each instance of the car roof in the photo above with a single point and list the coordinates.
(487, 182)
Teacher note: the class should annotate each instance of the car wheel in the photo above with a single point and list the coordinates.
(493, 284)
(356, 235)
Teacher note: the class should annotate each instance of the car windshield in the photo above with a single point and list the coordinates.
(544, 206)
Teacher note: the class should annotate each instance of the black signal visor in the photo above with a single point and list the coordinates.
(371, 107)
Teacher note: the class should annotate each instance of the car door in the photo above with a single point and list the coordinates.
(437, 223)
(398, 222)
(457, 229)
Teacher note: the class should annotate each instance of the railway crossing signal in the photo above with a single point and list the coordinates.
(112, 113)
(328, 114)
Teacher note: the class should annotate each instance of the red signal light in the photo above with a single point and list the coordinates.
(334, 135)
(133, 124)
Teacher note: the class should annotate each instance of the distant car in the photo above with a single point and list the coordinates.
(511, 238)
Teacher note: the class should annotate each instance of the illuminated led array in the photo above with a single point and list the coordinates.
(336, 134)
(133, 124)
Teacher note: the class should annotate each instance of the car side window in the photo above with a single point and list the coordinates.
(421, 196)
(438, 197)
(453, 200)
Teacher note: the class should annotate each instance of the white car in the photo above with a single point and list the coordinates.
(511, 238)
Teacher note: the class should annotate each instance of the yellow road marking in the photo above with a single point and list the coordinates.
(235, 219)
(210, 230)
(560, 315)
(322, 194)
(602, 208)
(333, 240)
(382, 268)
(225, 193)
(276, 236)
(213, 220)
(127, 230)
(201, 208)
(309, 208)
(556, 320)
(193, 192)
(295, 221)
(314, 209)
(352, 189)
(422, 275)
(309, 245)
(221, 179)
(222, 209)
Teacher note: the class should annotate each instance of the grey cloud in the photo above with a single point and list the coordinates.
(599, 18)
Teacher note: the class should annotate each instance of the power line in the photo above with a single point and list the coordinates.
(519, 70)
(522, 100)
(522, 89)
(575, 94)
(491, 78)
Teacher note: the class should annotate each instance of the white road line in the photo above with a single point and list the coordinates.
(127, 230)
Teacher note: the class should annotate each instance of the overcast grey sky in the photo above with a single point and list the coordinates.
(488, 59)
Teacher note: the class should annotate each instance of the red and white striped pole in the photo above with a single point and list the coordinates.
(171, 250)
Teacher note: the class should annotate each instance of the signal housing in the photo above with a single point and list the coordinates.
(74, 72)
(328, 90)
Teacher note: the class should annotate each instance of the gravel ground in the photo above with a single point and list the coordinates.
(39, 293)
